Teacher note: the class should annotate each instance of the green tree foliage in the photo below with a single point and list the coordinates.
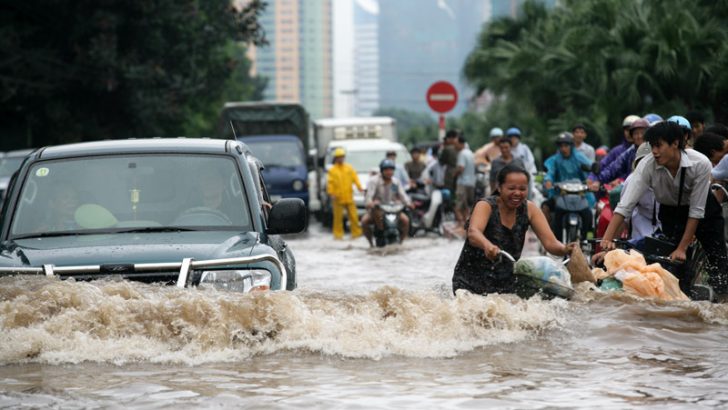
(596, 61)
(73, 70)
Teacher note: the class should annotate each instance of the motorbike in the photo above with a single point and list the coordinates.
(571, 202)
(389, 232)
(482, 180)
(428, 211)
(608, 194)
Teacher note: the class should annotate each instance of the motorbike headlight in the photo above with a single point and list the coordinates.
(236, 280)
(298, 185)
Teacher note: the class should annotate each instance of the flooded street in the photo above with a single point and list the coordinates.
(364, 329)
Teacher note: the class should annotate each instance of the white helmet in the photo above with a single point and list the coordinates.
(496, 132)
(628, 120)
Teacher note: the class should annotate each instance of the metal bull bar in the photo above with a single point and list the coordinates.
(183, 267)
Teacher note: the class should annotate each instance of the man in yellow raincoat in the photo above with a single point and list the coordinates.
(340, 179)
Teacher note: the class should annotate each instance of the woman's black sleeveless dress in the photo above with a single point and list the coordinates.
(480, 275)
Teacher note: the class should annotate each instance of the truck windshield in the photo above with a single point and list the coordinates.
(131, 192)
(364, 161)
(276, 153)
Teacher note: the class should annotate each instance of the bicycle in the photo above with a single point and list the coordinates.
(691, 273)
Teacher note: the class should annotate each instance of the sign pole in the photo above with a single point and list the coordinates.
(441, 123)
(441, 97)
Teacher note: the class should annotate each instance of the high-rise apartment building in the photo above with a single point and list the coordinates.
(366, 57)
(298, 60)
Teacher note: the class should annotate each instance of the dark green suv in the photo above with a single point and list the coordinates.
(180, 211)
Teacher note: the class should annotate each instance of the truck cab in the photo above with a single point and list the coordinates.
(277, 134)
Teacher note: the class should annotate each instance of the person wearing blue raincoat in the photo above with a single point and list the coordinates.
(567, 164)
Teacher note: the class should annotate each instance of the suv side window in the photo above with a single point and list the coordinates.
(263, 197)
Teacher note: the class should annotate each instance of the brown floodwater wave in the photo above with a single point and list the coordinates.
(45, 320)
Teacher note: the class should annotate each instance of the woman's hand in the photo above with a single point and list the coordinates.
(491, 251)
(569, 247)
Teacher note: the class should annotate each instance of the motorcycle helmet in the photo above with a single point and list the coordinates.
(339, 152)
(513, 131)
(628, 120)
(496, 132)
(639, 123)
(681, 121)
(386, 164)
(565, 138)
(652, 118)
(644, 149)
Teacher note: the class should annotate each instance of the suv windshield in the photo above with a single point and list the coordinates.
(131, 192)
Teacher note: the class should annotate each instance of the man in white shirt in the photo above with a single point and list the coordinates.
(522, 152)
(465, 188)
(579, 133)
(680, 180)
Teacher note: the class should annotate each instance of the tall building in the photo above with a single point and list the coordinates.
(298, 60)
(424, 41)
(366, 57)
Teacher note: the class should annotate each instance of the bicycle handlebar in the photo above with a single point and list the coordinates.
(625, 244)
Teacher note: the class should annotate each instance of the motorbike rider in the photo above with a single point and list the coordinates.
(523, 153)
(621, 167)
(617, 150)
(490, 151)
(566, 164)
(697, 122)
(384, 189)
(505, 158)
(415, 167)
(399, 171)
(687, 130)
(685, 208)
(579, 132)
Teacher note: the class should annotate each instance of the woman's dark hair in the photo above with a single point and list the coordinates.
(510, 169)
(667, 131)
(707, 143)
(719, 129)
(505, 140)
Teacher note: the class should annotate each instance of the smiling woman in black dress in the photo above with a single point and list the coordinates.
(500, 222)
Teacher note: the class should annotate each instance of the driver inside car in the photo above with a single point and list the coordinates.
(384, 189)
(210, 203)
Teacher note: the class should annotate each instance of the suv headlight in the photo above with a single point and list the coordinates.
(298, 185)
(236, 280)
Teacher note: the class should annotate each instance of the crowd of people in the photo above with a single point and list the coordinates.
(656, 182)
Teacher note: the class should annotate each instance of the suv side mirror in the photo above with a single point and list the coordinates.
(288, 215)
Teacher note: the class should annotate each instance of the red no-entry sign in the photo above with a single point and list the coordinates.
(442, 97)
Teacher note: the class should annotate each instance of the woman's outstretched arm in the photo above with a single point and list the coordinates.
(544, 233)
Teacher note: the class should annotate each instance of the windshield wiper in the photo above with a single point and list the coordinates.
(52, 234)
(156, 229)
